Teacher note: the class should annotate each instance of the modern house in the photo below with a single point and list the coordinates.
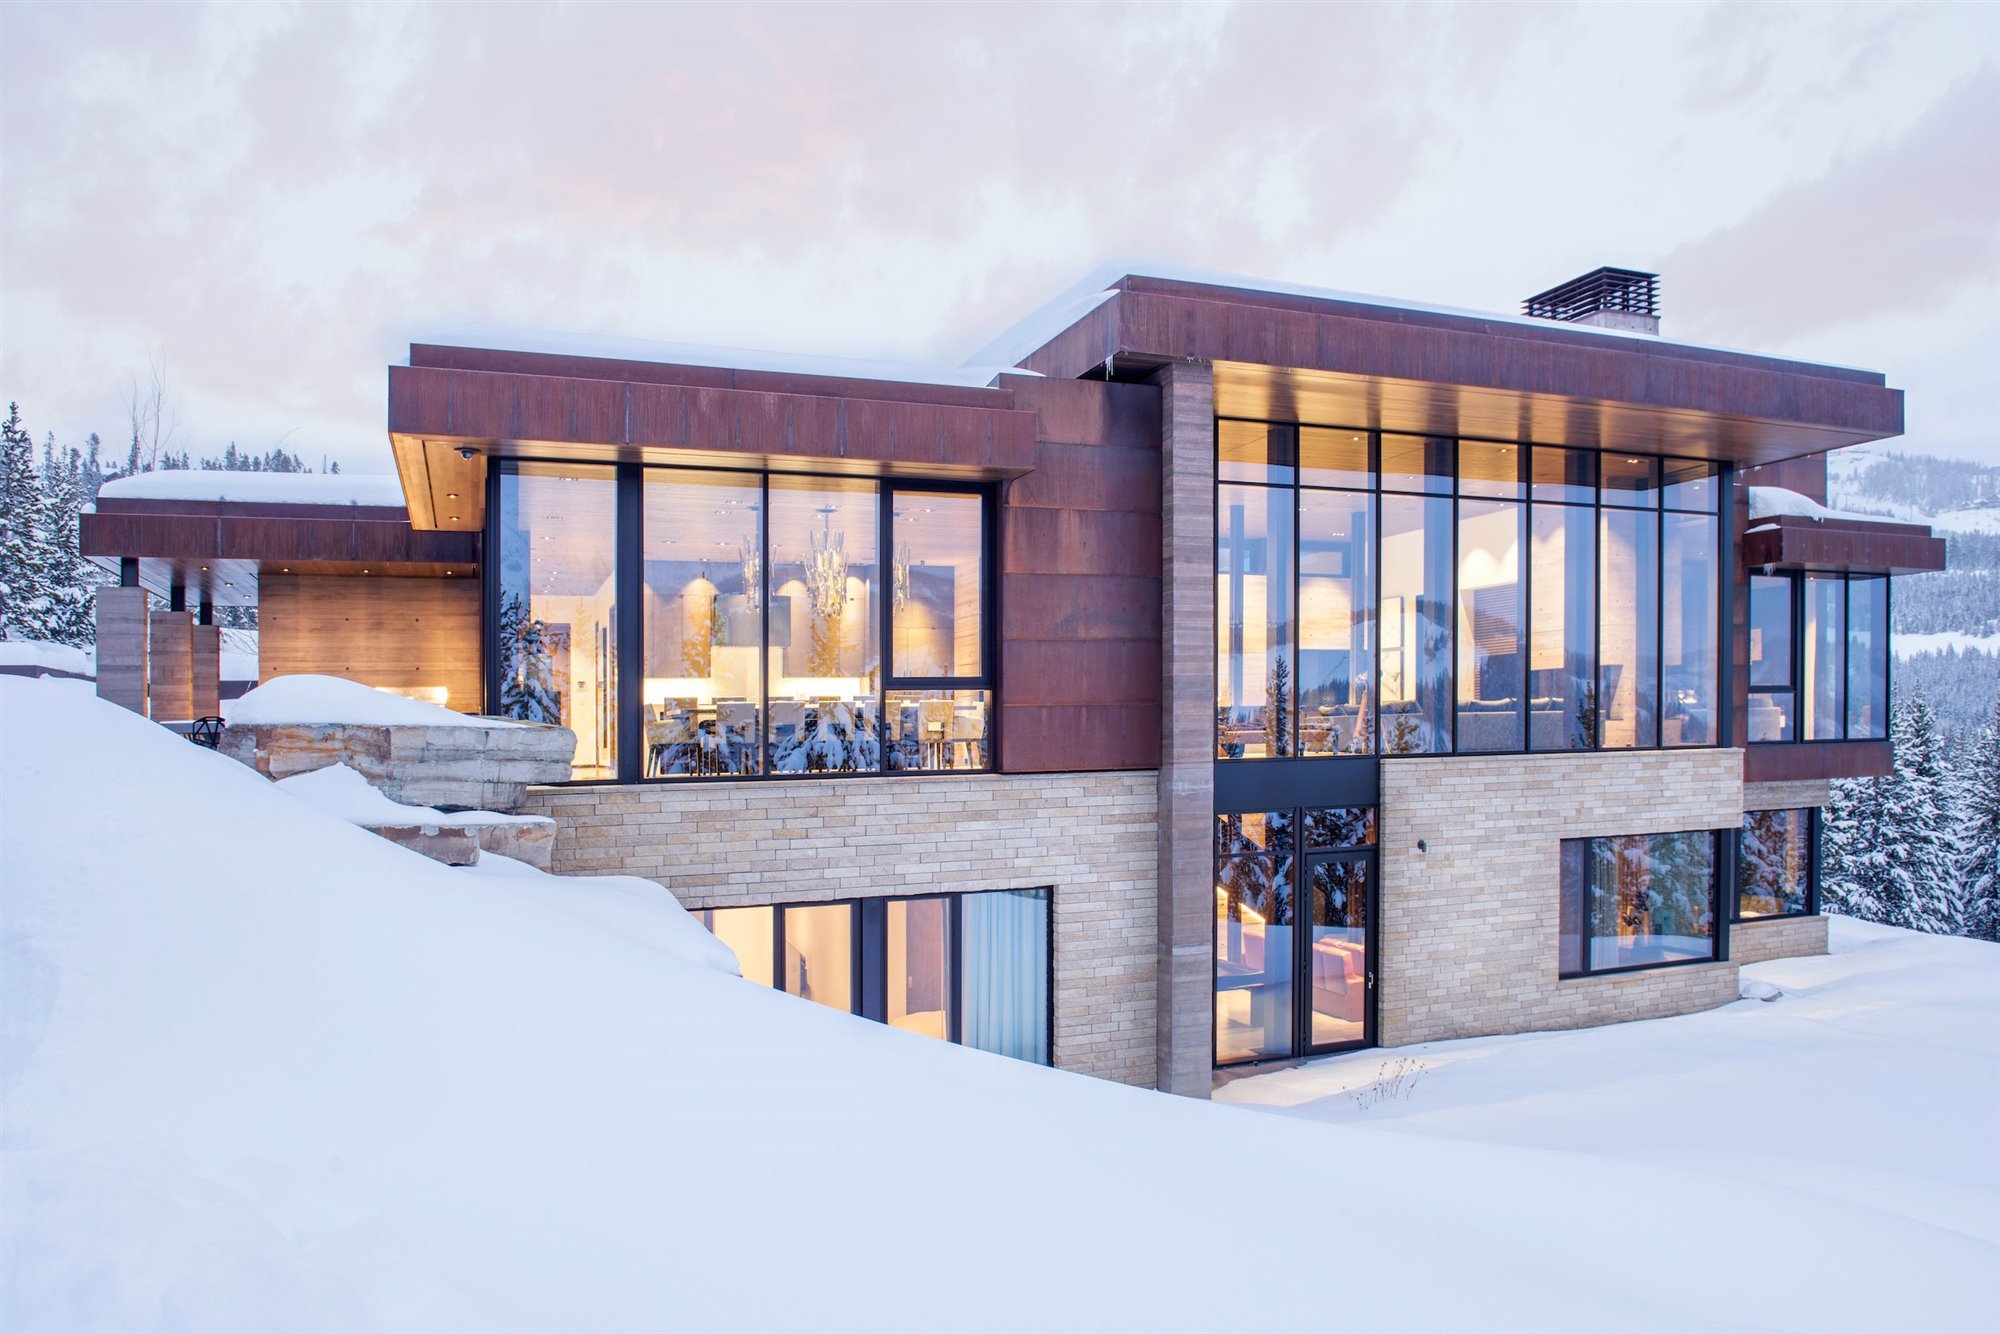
(1230, 674)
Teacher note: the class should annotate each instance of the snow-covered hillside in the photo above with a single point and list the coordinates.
(263, 1070)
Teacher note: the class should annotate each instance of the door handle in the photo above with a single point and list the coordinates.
(1371, 979)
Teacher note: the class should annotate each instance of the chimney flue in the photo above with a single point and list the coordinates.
(1625, 299)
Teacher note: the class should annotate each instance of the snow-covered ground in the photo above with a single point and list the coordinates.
(260, 1069)
(42, 655)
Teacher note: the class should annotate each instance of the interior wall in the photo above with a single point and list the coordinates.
(396, 633)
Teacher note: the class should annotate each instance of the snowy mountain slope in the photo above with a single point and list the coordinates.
(263, 1070)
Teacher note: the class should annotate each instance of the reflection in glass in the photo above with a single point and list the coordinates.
(1774, 865)
(1005, 952)
(1255, 831)
(703, 600)
(1688, 622)
(1254, 669)
(1562, 684)
(1690, 484)
(1867, 659)
(1770, 658)
(1568, 475)
(1334, 458)
(1628, 629)
(1644, 899)
(934, 584)
(939, 729)
(1490, 663)
(1489, 470)
(825, 642)
(1253, 958)
(918, 982)
(1256, 452)
(1414, 654)
(1629, 482)
(747, 931)
(558, 624)
(819, 954)
(1825, 637)
(1340, 827)
(1336, 623)
(1339, 952)
(1417, 463)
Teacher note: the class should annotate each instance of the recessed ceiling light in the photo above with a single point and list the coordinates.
(364, 572)
(451, 495)
(454, 518)
(204, 569)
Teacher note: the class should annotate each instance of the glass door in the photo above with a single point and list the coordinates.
(1338, 964)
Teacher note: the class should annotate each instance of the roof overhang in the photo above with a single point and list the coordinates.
(1854, 546)
(1349, 363)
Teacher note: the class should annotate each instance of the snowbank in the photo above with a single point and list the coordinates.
(343, 792)
(49, 657)
(309, 699)
(264, 1070)
(270, 488)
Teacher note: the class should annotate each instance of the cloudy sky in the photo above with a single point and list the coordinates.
(269, 202)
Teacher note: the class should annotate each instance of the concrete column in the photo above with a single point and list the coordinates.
(1185, 986)
(170, 682)
(207, 671)
(121, 646)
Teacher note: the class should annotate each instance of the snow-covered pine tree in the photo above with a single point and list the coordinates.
(1978, 871)
(72, 580)
(528, 691)
(1848, 827)
(1921, 817)
(24, 552)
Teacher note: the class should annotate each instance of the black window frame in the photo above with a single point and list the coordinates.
(1815, 821)
(1722, 887)
(868, 957)
(1847, 579)
(629, 576)
(1725, 726)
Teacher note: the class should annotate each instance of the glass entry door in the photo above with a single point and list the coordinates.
(1338, 970)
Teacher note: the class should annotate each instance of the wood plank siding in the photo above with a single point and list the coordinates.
(392, 632)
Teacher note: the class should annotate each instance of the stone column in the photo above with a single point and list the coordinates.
(121, 646)
(207, 671)
(1185, 988)
(171, 679)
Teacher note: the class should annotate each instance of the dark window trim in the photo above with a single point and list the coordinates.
(1814, 815)
(629, 580)
(1847, 579)
(1724, 726)
(1722, 884)
(869, 937)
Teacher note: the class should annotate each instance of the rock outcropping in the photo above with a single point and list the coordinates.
(476, 765)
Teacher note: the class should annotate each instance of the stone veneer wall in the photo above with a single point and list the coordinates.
(1468, 932)
(1790, 796)
(1776, 938)
(1089, 836)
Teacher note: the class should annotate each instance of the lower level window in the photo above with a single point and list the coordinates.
(1637, 901)
(970, 968)
(1774, 871)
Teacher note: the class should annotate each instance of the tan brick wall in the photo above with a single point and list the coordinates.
(1091, 837)
(1784, 796)
(1469, 927)
(1776, 938)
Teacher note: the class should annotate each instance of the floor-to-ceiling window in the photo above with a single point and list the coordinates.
(1397, 595)
(786, 624)
(1819, 657)
(1774, 864)
(556, 623)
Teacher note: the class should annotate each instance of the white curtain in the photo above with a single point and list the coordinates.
(1006, 958)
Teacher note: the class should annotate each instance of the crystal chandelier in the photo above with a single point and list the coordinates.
(826, 568)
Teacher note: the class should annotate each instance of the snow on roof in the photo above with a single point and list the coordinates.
(48, 657)
(307, 699)
(1772, 502)
(270, 488)
(344, 791)
(1074, 302)
(605, 346)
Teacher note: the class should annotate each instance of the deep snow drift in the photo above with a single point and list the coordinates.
(264, 1070)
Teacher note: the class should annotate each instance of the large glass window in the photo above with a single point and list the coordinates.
(1254, 551)
(1562, 639)
(1688, 622)
(1771, 685)
(1416, 624)
(1491, 675)
(1628, 642)
(703, 597)
(1774, 864)
(557, 618)
(1637, 901)
(1867, 659)
(1336, 623)
(825, 643)
(964, 967)
(1825, 658)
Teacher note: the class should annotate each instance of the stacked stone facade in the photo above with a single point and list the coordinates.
(1776, 938)
(1089, 837)
(1469, 925)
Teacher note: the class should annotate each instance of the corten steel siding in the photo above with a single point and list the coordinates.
(201, 531)
(1769, 763)
(1080, 583)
